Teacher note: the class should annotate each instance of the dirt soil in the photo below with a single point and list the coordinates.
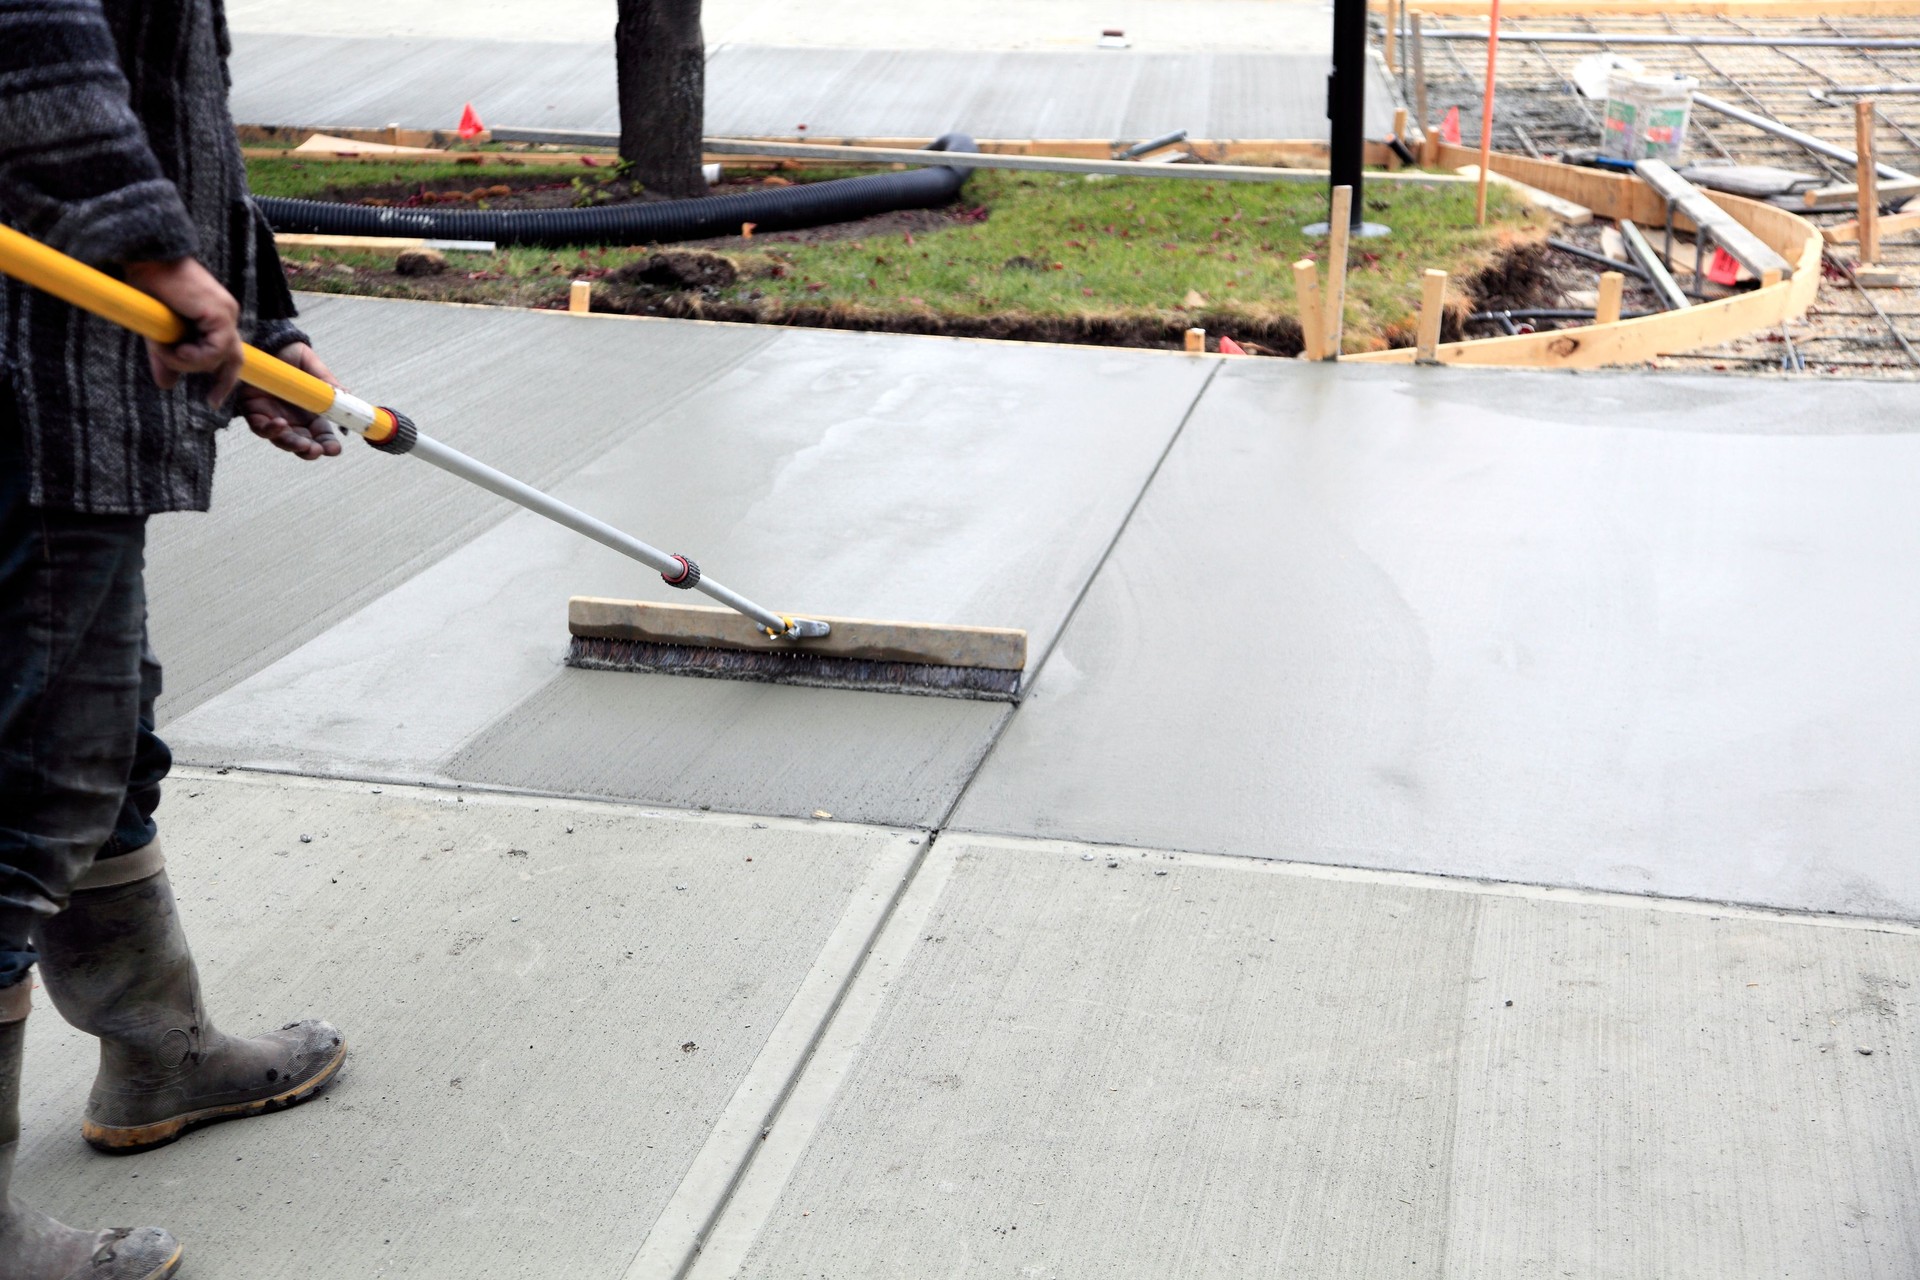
(684, 282)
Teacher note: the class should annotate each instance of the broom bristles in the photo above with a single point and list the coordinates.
(598, 653)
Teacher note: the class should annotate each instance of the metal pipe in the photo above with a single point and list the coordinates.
(1550, 313)
(1863, 90)
(1151, 144)
(1676, 41)
(1631, 268)
(1768, 125)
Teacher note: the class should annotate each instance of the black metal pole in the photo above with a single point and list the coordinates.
(1347, 99)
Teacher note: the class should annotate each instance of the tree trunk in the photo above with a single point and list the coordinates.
(663, 88)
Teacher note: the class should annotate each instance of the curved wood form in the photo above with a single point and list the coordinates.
(1671, 332)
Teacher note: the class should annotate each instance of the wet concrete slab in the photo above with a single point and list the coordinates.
(292, 548)
(1053, 1066)
(850, 475)
(1628, 633)
(761, 90)
(550, 1006)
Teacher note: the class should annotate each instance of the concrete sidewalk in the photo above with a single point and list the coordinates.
(1092, 986)
(574, 1025)
(760, 90)
(1152, 25)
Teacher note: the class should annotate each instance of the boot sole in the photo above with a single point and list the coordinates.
(166, 1268)
(126, 1140)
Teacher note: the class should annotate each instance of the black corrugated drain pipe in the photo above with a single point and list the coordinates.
(807, 204)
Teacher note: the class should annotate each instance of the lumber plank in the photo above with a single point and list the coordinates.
(1748, 249)
(1306, 289)
(1568, 211)
(1333, 326)
(1866, 180)
(1847, 194)
(1871, 275)
(1607, 309)
(1891, 224)
(478, 159)
(1433, 305)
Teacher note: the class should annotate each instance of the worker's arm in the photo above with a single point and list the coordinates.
(76, 173)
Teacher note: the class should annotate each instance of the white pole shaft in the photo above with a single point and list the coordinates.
(452, 461)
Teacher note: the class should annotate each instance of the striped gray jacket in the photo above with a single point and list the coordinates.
(116, 146)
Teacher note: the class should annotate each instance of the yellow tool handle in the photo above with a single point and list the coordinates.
(29, 261)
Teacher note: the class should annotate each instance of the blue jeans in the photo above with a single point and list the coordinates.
(80, 767)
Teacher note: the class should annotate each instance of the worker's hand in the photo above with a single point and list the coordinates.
(191, 292)
(305, 435)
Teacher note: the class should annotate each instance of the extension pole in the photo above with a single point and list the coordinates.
(1486, 115)
(79, 285)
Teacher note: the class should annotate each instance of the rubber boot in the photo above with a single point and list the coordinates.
(34, 1246)
(117, 966)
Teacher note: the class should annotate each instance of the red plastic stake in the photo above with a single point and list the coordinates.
(470, 126)
(1450, 127)
(1724, 268)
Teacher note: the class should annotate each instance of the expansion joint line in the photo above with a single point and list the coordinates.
(1085, 587)
(644, 1267)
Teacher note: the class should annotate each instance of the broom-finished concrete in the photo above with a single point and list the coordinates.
(760, 91)
(1220, 25)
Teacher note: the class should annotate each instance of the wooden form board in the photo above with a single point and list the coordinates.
(1631, 341)
(1306, 153)
(479, 159)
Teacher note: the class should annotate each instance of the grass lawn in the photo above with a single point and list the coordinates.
(1132, 260)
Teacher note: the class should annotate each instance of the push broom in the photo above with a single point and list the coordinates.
(740, 641)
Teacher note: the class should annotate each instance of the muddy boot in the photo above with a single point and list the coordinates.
(34, 1246)
(116, 964)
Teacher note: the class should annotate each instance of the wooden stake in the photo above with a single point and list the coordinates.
(1433, 305)
(1338, 225)
(1420, 91)
(1393, 22)
(1306, 290)
(580, 297)
(1607, 310)
(1197, 341)
(1486, 114)
(1867, 179)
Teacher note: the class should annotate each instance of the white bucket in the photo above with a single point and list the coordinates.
(1646, 117)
